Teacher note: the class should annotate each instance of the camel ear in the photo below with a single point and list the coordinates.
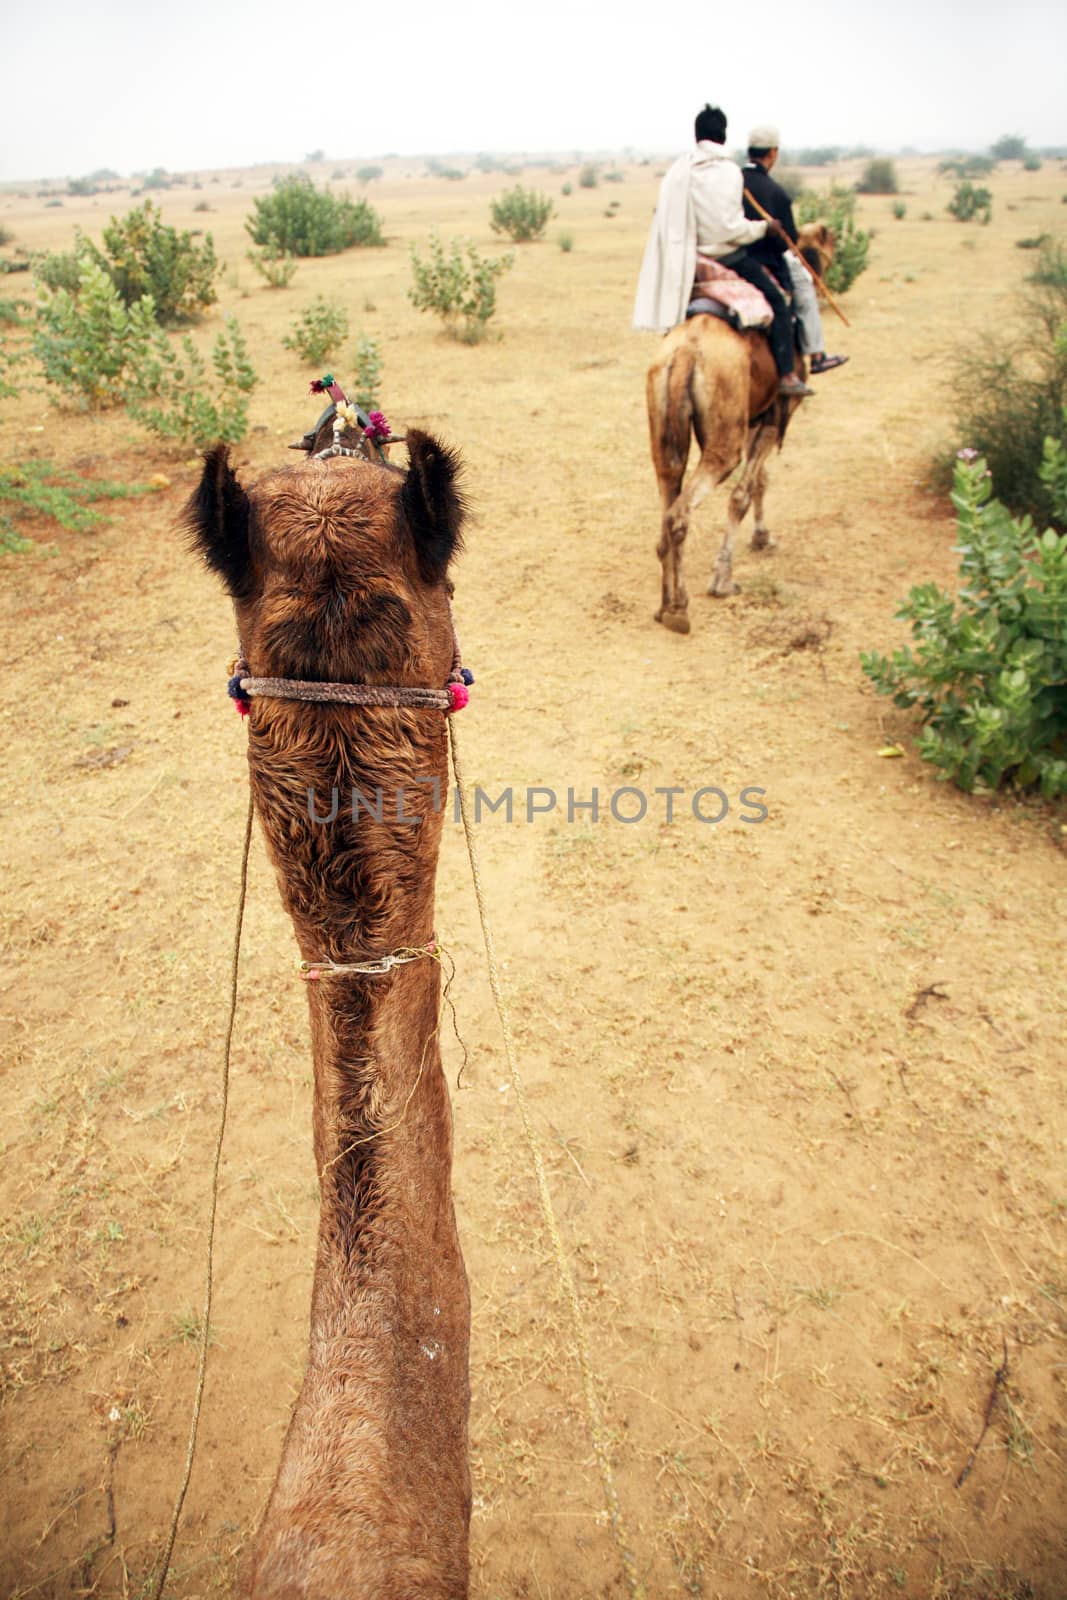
(432, 503)
(218, 518)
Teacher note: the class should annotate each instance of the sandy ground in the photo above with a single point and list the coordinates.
(798, 1083)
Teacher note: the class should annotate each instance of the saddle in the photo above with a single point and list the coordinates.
(718, 292)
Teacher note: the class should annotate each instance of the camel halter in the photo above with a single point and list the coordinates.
(453, 697)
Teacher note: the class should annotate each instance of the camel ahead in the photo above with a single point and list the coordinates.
(338, 572)
(720, 386)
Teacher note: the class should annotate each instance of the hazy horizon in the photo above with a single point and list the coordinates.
(132, 91)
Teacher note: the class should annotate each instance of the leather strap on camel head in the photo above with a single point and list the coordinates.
(344, 428)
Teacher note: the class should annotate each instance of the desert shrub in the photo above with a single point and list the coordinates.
(35, 489)
(6, 236)
(146, 257)
(368, 173)
(566, 242)
(300, 220)
(459, 287)
(989, 667)
(1010, 395)
(167, 391)
(1036, 241)
(367, 372)
(879, 177)
(202, 205)
(1032, 164)
(971, 203)
(900, 210)
(87, 343)
(520, 213)
(613, 175)
(276, 266)
(58, 269)
(812, 156)
(568, 188)
(318, 333)
(837, 208)
(966, 166)
(1009, 147)
(588, 178)
(50, 205)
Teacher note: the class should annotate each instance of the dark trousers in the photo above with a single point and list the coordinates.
(781, 329)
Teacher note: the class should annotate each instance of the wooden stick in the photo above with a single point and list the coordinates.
(830, 299)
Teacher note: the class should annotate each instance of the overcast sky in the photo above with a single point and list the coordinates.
(200, 84)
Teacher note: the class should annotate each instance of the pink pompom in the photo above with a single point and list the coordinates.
(459, 695)
(243, 707)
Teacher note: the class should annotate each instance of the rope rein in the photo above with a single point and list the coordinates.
(224, 1098)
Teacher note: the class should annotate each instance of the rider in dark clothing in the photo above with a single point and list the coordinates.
(770, 251)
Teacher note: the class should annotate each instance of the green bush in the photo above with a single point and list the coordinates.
(1009, 147)
(989, 668)
(568, 188)
(300, 220)
(967, 166)
(1032, 164)
(145, 257)
(318, 333)
(588, 177)
(459, 287)
(879, 177)
(971, 203)
(900, 210)
(89, 342)
(276, 266)
(837, 208)
(566, 242)
(520, 213)
(60, 269)
(167, 391)
(368, 173)
(367, 372)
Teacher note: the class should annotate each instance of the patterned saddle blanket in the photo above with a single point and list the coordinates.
(721, 293)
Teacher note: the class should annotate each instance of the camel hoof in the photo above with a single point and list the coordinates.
(721, 589)
(676, 621)
(762, 540)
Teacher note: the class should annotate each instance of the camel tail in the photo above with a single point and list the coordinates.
(669, 391)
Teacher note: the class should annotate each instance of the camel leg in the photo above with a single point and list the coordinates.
(741, 497)
(674, 599)
(762, 538)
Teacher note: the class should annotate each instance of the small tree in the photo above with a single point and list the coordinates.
(459, 287)
(367, 372)
(368, 173)
(588, 177)
(1009, 147)
(304, 221)
(522, 214)
(87, 343)
(276, 266)
(970, 203)
(988, 668)
(879, 177)
(167, 391)
(837, 209)
(318, 333)
(146, 257)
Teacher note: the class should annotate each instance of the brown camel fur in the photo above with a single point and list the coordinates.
(337, 569)
(721, 386)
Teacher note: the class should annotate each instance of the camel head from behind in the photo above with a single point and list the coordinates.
(817, 242)
(337, 568)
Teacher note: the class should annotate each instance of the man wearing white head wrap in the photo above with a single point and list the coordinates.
(699, 210)
(774, 254)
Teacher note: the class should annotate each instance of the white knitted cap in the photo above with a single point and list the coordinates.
(765, 137)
